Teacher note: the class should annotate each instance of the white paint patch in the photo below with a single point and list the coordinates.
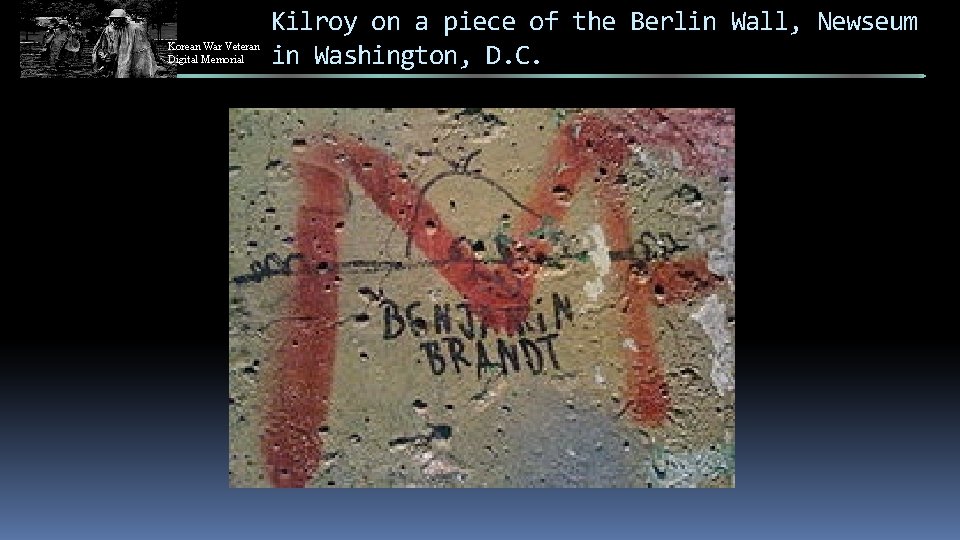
(629, 343)
(593, 289)
(720, 261)
(676, 159)
(600, 255)
(437, 466)
(712, 316)
(689, 470)
(433, 465)
(598, 375)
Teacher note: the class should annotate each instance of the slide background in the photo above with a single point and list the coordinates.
(113, 407)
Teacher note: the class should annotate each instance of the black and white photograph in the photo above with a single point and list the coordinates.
(96, 39)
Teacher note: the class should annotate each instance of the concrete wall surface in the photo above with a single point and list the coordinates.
(481, 297)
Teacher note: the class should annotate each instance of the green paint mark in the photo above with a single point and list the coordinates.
(561, 117)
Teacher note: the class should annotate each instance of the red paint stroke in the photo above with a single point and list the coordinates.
(659, 283)
(604, 145)
(300, 396)
(703, 138)
(499, 293)
(649, 392)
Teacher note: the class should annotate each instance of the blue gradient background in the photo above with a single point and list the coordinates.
(142, 453)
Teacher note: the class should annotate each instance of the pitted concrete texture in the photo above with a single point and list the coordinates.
(481, 298)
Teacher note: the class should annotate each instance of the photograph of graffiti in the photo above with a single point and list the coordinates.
(481, 298)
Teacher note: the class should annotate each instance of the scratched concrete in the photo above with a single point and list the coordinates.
(391, 420)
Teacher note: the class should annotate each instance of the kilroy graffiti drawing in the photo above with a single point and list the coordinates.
(481, 297)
